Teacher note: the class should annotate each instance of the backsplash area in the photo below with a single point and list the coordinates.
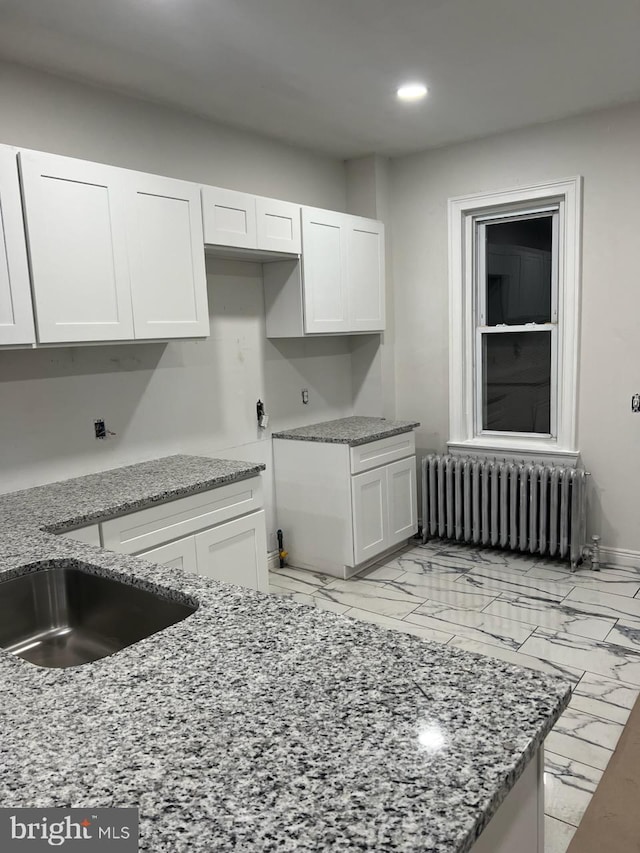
(164, 398)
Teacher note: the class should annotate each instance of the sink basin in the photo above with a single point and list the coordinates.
(60, 615)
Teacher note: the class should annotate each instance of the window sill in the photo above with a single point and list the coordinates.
(530, 451)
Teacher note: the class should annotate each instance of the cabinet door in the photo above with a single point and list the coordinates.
(178, 555)
(16, 313)
(229, 218)
(278, 225)
(166, 251)
(370, 514)
(401, 488)
(75, 221)
(324, 271)
(366, 274)
(235, 552)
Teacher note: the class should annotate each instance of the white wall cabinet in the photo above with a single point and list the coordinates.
(75, 220)
(365, 274)
(250, 222)
(16, 313)
(338, 288)
(115, 254)
(278, 226)
(229, 218)
(325, 272)
(340, 507)
(166, 251)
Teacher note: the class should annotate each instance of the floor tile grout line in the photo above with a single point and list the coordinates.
(560, 630)
(623, 685)
(471, 627)
(581, 760)
(551, 752)
(591, 714)
(625, 649)
(560, 820)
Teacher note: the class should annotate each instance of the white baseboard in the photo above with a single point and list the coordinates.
(608, 557)
(273, 560)
(620, 557)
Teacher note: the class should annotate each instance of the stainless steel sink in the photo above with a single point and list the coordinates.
(60, 615)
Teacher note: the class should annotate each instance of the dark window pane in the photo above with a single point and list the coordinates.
(518, 259)
(516, 385)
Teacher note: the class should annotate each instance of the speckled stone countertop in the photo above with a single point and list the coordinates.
(256, 724)
(351, 431)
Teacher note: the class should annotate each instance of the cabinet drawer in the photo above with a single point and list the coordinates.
(148, 528)
(374, 453)
(179, 555)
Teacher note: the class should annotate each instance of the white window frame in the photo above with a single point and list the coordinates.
(464, 215)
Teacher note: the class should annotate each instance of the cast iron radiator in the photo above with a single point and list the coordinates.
(530, 507)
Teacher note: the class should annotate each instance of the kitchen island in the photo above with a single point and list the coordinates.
(257, 724)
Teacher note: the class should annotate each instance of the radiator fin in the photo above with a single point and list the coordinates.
(534, 508)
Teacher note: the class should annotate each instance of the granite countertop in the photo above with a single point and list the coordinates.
(352, 431)
(256, 724)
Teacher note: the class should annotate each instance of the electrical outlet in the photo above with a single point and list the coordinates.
(101, 429)
(305, 396)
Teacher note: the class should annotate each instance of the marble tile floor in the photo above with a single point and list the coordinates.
(520, 608)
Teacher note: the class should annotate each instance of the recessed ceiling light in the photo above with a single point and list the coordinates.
(412, 91)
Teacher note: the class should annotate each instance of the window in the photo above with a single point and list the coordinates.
(514, 308)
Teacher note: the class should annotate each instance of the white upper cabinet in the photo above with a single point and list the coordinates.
(339, 288)
(324, 271)
(278, 226)
(115, 254)
(365, 256)
(229, 218)
(166, 251)
(75, 219)
(16, 314)
(245, 221)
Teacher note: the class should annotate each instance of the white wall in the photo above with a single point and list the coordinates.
(603, 148)
(53, 114)
(193, 397)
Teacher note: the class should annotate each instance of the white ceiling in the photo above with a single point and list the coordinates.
(323, 73)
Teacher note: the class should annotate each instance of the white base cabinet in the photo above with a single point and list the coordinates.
(518, 824)
(234, 552)
(341, 507)
(383, 503)
(178, 555)
(219, 533)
